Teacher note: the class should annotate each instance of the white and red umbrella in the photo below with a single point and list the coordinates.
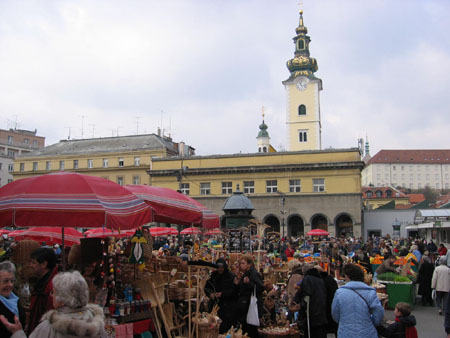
(49, 235)
(191, 231)
(317, 232)
(102, 233)
(214, 232)
(162, 231)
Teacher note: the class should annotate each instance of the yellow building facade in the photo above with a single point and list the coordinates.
(291, 191)
(124, 160)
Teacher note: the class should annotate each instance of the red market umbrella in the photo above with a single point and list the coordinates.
(317, 232)
(191, 231)
(66, 199)
(168, 206)
(102, 233)
(50, 235)
(15, 233)
(4, 232)
(214, 232)
(161, 231)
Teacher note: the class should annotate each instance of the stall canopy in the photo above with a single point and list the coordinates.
(170, 206)
(66, 199)
(49, 235)
(162, 231)
(102, 233)
(317, 232)
(191, 231)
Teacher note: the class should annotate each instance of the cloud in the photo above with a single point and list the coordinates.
(210, 66)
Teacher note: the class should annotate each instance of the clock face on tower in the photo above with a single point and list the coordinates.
(302, 83)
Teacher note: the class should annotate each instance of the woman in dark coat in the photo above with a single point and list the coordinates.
(221, 289)
(250, 279)
(425, 276)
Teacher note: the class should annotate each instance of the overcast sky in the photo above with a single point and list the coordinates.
(202, 69)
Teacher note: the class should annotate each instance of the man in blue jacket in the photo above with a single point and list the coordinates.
(356, 307)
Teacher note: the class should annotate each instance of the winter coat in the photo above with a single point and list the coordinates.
(41, 299)
(227, 302)
(351, 312)
(246, 290)
(425, 275)
(441, 278)
(87, 322)
(397, 330)
(331, 287)
(4, 333)
(313, 286)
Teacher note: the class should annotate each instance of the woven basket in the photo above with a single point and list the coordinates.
(74, 255)
(274, 335)
(23, 250)
(204, 331)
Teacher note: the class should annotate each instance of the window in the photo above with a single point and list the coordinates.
(386, 177)
(302, 109)
(301, 44)
(227, 188)
(438, 186)
(121, 162)
(378, 193)
(302, 136)
(10, 167)
(393, 167)
(427, 168)
(184, 188)
(411, 177)
(105, 163)
(249, 187)
(378, 177)
(22, 166)
(446, 176)
(90, 164)
(402, 168)
(136, 179)
(47, 165)
(294, 186)
(120, 180)
(61, 165)
(35, 166)
(10, 139)
(11, 153)
(411, 185)
(75, 164)
(35, 144)
(428, 176)
(388, 193)
(318, 184)
(137, 161)
(26, 141)
(447, 185)
(271, 186)
(10, 180)
(394, 176)
(205, 188)
(420, 185)
(410, 168)
(369, 193)
(1, 165)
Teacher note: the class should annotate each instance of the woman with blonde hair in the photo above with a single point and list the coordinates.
(72, 316)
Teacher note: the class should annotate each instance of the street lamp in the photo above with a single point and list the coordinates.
(396, 228)
(282, 211)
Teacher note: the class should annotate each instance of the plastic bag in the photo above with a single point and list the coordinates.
(433, 294)
(252, 314)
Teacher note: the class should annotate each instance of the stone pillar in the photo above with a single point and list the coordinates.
(332, 230)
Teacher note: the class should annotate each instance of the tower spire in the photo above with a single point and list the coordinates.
(302, 63)
(263, 136)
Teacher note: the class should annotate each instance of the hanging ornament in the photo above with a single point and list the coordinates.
(137, 249)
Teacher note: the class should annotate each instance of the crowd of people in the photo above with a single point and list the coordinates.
(311, 299)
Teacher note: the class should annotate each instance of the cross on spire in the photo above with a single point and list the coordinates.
(300, 6)
(263, 113)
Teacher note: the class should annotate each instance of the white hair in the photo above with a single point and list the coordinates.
(71, 289)
(8, 267)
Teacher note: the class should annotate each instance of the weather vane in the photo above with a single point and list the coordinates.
(262, 109)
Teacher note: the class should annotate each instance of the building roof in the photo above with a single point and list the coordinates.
(238, 201)
(106, 145)
(416, 198)
(429, 156)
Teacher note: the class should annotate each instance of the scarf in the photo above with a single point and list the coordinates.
(11, 303)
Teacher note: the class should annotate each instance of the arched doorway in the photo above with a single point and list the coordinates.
(273, 222)
(319, 221)
(295, 226)
(344, 225)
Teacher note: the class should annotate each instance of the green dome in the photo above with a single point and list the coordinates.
(263, 130)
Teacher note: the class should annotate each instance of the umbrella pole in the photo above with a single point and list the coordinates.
(63, 253)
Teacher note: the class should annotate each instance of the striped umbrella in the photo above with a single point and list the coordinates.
(214, 232)
(66, 199)
(168, 206)
(50, 235)
(161, 231)
(191, 231)
(103, 232)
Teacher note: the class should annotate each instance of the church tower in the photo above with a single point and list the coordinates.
(263, 138)
(302, 93)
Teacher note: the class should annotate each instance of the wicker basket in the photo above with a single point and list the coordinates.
(292, 334)
(23, 250)
(204, 331)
